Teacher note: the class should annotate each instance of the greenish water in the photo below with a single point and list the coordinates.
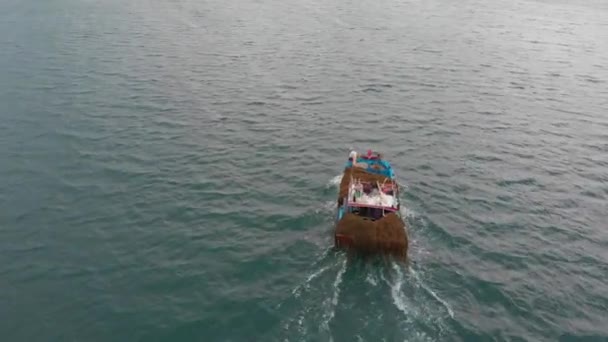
(168, 169)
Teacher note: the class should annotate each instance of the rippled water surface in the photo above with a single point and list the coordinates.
(168, 169)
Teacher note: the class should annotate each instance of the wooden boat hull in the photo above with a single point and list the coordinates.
(384, 235)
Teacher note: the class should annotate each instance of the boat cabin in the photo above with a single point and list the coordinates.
(370, 200)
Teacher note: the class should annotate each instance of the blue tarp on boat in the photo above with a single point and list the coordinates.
(384, 168)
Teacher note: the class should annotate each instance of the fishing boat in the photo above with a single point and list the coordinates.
(368, 218)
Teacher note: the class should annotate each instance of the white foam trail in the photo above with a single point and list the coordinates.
(335, 181)
(398, 298)
(407, 212)
(432, 293)
(327, 206)
(301, 328)
(337, 282)
(301, 318)
(371, 279)
(306, 284)
(297, 290)
(331, 310)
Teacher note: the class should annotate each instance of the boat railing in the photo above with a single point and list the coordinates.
(363, 205)
(357, 184)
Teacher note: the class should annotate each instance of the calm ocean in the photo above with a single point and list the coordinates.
(168, 169)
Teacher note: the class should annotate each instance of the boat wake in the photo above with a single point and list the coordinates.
(397, 294)
(330, 306)
(327, 302)
(335, 181)
(338, 293)
(306, 284)
(327, 207)
(317, 298)
(432, 293)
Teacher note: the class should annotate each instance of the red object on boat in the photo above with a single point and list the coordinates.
(371, 155)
